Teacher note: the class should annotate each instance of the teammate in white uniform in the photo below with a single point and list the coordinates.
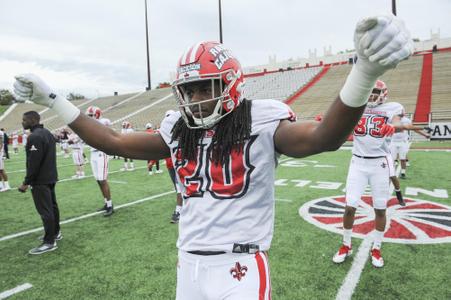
(15, 138)
(400, 142)
(371, 164)
(126, 129)
(77, 155)
(3, 176)
(24, 138)
(225, 151)
(99, 164)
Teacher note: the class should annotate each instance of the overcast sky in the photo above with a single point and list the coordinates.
(95, 47)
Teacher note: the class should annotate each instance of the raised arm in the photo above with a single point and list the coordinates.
(380, 43)
(134, 145)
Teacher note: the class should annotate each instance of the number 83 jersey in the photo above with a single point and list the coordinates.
(233, 203)
(368, 140)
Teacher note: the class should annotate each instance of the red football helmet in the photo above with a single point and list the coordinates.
(379, 94)
(94, 111)
(208, 61)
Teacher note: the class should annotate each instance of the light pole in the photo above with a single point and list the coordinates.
(147, 49)
(220, 22)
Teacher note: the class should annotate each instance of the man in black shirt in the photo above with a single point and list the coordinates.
(42, 177)
(5, 143)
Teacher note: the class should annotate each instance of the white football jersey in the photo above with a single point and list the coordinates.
(105, 122)
(367, 138)
(77, 143)
(402, 136)
(229, 204)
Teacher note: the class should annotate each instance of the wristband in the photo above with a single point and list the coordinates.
(357, 88)
(65, 110)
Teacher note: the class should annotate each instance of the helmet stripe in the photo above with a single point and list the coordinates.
(183, 60)
(193, 53)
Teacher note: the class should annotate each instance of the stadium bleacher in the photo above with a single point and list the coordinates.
(279, 85)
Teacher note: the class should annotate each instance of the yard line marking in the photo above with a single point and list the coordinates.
(118, 181)
(17, 289)
(284, 200)
(8, 237)
(352, 278)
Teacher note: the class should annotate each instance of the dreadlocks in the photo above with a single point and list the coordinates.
(230, 135)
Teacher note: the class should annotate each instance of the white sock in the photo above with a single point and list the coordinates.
(178, 208)
(109, 203)
(132, 166)
(6, 184)
(378, 235)
(1, 185)
(403, 171)
(347, 237)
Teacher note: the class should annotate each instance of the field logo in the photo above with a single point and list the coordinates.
(419, 222)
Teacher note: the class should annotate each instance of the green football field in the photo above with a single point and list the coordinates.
(132, 255)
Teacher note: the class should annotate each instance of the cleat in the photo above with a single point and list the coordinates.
(150, 173)
(159, 171)
(131, 169)
(376, 258)
(342, 253)
(109, 211)
(403, 176)
(58, 237)
(123, 169)
(43, 248)
(102, 208)
(175, 217)
(5, 189)
(400, 198)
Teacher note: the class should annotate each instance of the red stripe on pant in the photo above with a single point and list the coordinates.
(263, 275)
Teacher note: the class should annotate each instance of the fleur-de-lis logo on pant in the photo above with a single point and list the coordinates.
(238, 271)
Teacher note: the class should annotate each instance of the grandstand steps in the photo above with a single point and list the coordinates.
(320, 95)
(441, 82)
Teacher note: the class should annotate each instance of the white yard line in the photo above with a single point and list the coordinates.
(12, 236)
(352, 278)
(118, 181)
(284, 200)
(17, 289)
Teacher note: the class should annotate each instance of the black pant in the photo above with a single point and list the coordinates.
(5, 149)
(45, 202)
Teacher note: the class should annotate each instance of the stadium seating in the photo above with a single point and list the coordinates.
(441, 82)
(319, 96)
(278, 85)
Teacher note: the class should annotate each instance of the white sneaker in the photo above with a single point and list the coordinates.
(376, 258)
(159, 171)
(342, 253)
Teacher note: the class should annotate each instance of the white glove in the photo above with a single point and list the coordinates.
(32, 88)
(381, 43)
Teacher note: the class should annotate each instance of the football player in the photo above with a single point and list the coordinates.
(127, 128)
(400, 143)
(15, 138)
(77, 155)
(372, 164)
(152, 162)
(225, 148)
(99, 163)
